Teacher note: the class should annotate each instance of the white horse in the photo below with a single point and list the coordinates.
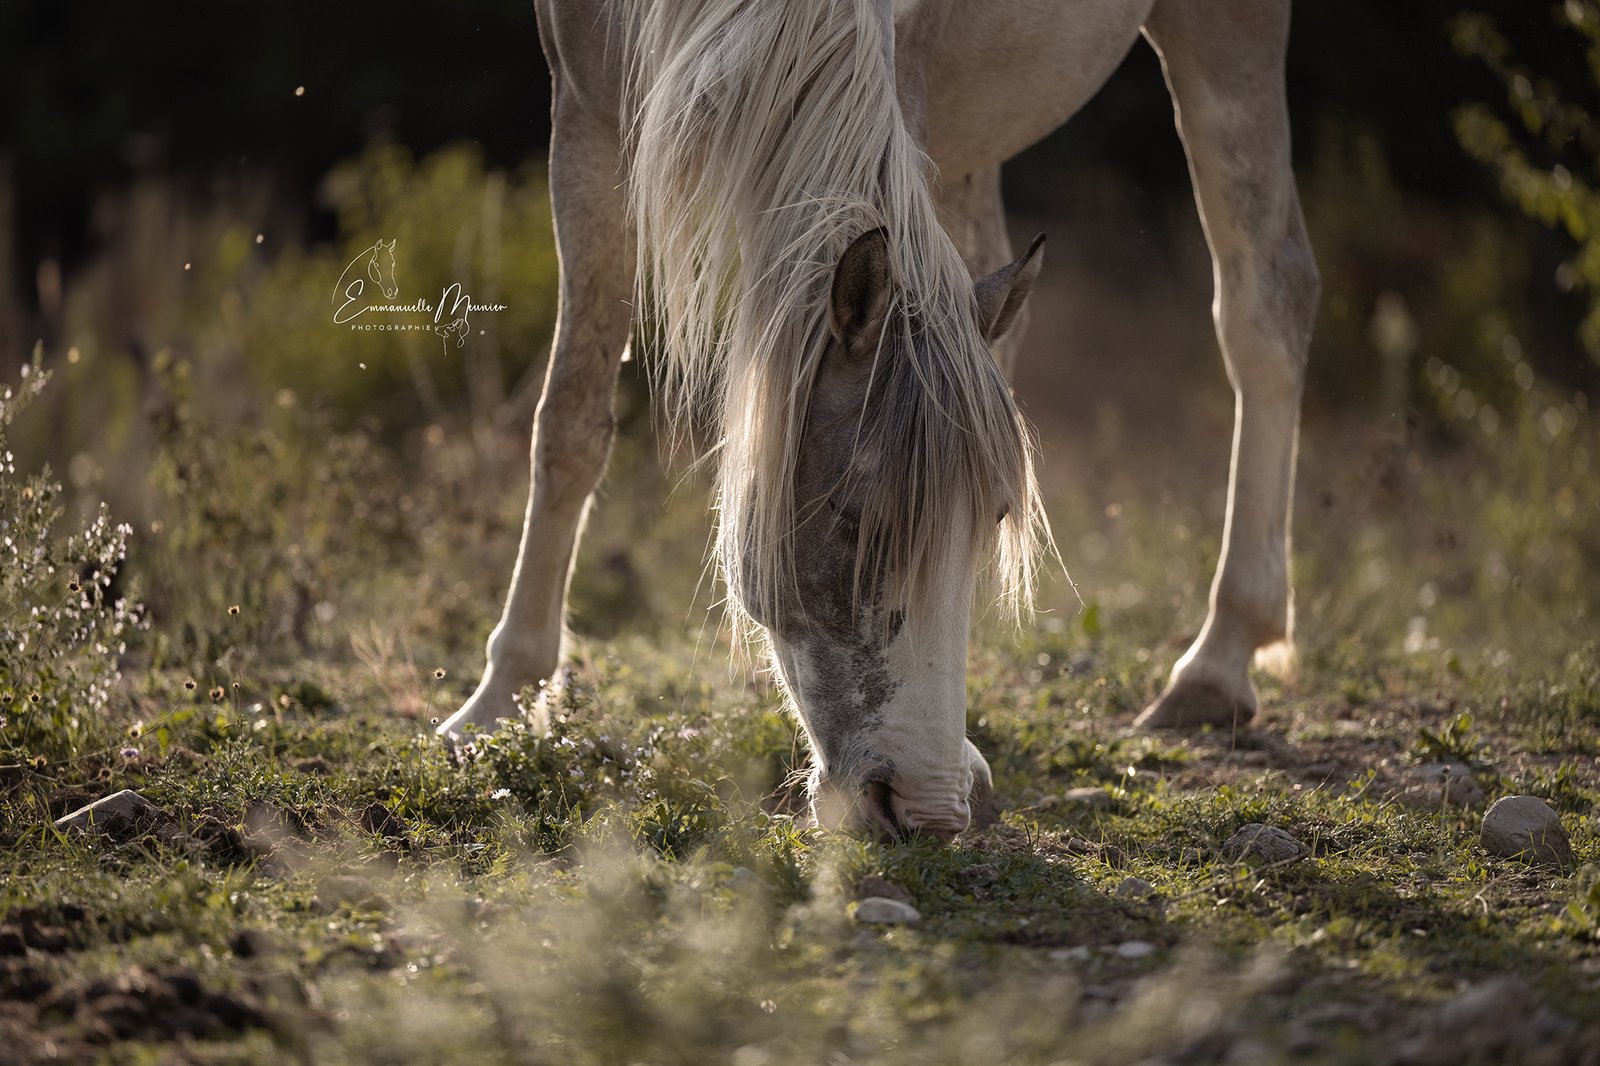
(770, 178)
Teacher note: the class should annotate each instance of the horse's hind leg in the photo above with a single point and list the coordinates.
(1224, 68)
(574, 425)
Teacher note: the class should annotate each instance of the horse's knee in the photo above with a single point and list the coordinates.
(1298, 287)
(572, 440)
(1265, 308)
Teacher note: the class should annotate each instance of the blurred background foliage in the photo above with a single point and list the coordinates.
(178, 197)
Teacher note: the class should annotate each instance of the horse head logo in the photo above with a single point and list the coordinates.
(380, 268)
(373, 265)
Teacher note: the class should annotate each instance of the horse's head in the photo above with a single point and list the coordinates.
(380, 268)
(912, 470)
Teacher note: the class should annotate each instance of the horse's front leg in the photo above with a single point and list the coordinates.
(574, 424)
(975, 217)
(1224, 68)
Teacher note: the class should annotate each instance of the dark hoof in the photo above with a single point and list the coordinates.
(1192, 704)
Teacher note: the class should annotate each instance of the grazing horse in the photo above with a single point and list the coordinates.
(801, 193)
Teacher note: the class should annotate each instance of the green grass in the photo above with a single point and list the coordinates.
(631, 888)
(326, 883)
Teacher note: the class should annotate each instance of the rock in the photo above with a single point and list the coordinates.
(1524, 827)
(874, 886)
(1488, 1004)
(1439, 783)
(979, 873)
(99, 815)
(381, 821)
(1089, 799)
(252, 943)
(1134, 949)
(1077, 954)
(1264, 843)
(880, 910)
(355, 892)
(1135, 888)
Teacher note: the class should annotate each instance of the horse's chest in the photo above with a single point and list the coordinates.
(1003, 73)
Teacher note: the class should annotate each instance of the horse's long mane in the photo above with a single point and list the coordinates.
(765, 135)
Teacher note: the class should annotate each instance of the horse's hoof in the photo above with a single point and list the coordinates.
(480, 714)
(1192, 704)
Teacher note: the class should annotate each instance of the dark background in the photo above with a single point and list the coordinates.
(96, 95)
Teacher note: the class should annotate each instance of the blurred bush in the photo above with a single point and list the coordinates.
(64, 618)
(1549, 171)
(272, 460)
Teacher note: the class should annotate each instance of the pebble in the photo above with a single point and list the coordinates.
(1489, 1003)
(1088, 798)
(1077, 954)
(355, 892)
(1524, 827)
(873, 886)
(1437, 784)
(1134, 949)
(1264, 842)
(880, 910)
(95, 816)
(1135, 888)
(979, 873)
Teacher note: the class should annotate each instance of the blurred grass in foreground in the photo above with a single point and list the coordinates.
(317, 542)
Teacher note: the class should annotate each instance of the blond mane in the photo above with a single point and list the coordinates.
(764, 136)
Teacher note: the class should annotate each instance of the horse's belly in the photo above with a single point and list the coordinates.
(1004, 73)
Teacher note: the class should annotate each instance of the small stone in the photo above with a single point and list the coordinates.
(1488, 1004)
(881, 887)
(880, 910)
(1089, 798)
(1077, 954)
(1440, 784)
(252, 943)
(355, 892)
(97, 815)
(1524, 827)
(381, 821)
(1190, 857)
(1135, 888)
(1265, 843)
(1134, 949)
(979, 873)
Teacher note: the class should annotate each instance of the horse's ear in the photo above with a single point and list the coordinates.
(859, 299)
(1000, 295)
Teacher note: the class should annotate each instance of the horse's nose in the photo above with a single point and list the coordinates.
(942, 819)
(888, 812)
(876, 807)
